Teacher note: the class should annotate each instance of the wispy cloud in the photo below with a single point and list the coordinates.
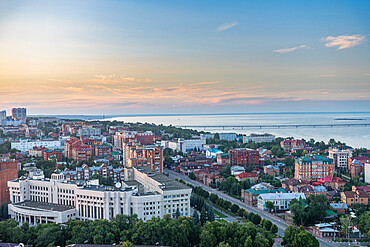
(343, 41)
(205, 83)
(323, 75)
(226, 26)
(366, 74)
(291, 49)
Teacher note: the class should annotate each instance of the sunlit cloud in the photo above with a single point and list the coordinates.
(343, 41)
(291, 49)
(205, 83)
(227, 26)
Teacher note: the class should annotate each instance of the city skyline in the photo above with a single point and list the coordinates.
(118, 57)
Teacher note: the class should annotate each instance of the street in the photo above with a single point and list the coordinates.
(280, 223)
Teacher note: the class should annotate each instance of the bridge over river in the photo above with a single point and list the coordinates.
(271, 126)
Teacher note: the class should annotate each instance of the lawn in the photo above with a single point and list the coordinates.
(219, 214)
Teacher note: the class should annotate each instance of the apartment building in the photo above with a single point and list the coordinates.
(2, 117)
(244, 157)
(8, 171)
(281, 201)
(86, 173)
(257, 138)
(81, 152)
(227, 136)
(340, 157)
(142, 137)
(289, 145)
(56, 154)
(183, 145)
(313, 167)
(25, 144)
(19, 114)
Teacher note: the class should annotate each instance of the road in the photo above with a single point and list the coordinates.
(280, 223)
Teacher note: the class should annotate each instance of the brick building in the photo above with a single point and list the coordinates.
(54, 153)
(81, 152)
(8, 172)
(244, 157)
(223, 159)
(85, 173)
(142, 137)
(290, 145)
(313, 167)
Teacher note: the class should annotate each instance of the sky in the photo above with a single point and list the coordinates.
(140, 57)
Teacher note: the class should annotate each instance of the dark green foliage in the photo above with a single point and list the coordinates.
(234, 208)
(294, 236)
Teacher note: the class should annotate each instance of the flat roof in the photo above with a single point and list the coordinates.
(169, 183)
(43, 206)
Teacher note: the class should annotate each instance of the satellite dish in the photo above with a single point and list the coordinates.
(118, 185)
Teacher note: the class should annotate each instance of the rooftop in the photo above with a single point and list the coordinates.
(42, 206)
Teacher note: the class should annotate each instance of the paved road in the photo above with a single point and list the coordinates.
(281, 224)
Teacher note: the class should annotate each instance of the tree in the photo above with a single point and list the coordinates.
(196, 217)
(274, 229)
(177, 214)
(203, 216)
(305, 239)
(364, 223)
(234, 208)
(127, 244)
(345, 222)
(267, 225)
(256, 219)
(269, 205)
(192, 176)
(289, 235)
(241, 212)
(211, 214)
(299, 213)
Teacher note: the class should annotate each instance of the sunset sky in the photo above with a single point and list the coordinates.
(119, 57)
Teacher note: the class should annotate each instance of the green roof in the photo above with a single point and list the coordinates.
(330, 213)
(259, 192)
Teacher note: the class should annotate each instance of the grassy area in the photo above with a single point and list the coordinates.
(221, 220)
(219, 214)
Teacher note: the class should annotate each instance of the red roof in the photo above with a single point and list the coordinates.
(246, 175)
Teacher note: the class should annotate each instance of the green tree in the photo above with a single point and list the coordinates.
(196, 217)
(203, 216)
(274, 229)
(345, 222)
(299, 213)
(305, 239)
(234, 208)
(127, 244)
(269, 205)
(364, 223)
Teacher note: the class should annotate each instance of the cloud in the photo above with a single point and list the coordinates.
(323, 75)
(291, 49)
(366, 74)
(226, 26)
(204, 83)
(343, 41)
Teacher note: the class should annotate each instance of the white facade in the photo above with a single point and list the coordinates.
(57, 200)
(367, 172)
(281, 201)
(340, 157)
(227, 136)
(25, 145)
(257, 138)
(207, 136)
(186, 145)
(34, 173)
(89, 132)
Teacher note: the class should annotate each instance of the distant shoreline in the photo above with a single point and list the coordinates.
(100, 117)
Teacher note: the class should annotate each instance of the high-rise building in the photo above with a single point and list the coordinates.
(340, 157)
(313, 167)
(2, 117)
(19, 114)
(8, 172)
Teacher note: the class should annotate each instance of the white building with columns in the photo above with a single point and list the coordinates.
(57, 200)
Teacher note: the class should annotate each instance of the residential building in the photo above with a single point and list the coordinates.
(207, 136)
(223, 159)
(236, 170)
(247, 175)
(142, 137)
(356, 168)
(212, 153)
(34, 172)
(89, 131)
(289, 145)
(227, 136)
(367, 172)
(312, 190)
(37, 151)
(19, 114)
(86, 173)
(50, 154)
(351, 197)
(340, 157)
(2, 117)
(250, 196)
(281, 201)
(258, 138)
(339, 208)
(25, 144)
(271, 170)
(294, 184)
(184, 146)
(313, 167)
(325, 230)
(262, 186)
(8, 171)
(244, 157)
(212, 178)
(81, 153)
(335, 183)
